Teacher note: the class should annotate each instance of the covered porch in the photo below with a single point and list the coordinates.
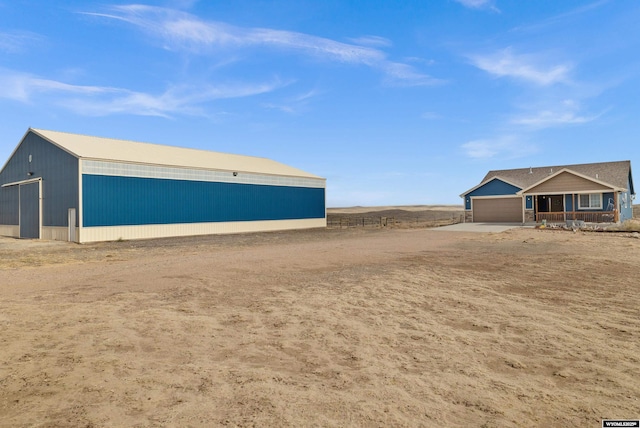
(590, 208)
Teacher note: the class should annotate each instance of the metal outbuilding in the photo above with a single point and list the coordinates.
(80, 188)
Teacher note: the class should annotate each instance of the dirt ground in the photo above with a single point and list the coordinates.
(412, 216)
(355, 327)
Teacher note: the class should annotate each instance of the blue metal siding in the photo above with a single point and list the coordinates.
(9, 200)
(494, 187)
(59, 172)
(117, 201)
(30, 210)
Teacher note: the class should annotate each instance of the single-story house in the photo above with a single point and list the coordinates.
(593, 192)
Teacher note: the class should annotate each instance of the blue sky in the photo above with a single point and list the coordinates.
(394, 103)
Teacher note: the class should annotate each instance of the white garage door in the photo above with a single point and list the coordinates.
(498, 210)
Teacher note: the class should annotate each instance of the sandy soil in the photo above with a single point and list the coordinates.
(322, 328)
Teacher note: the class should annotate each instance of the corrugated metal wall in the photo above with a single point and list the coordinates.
(115, 201)
(30, 210)
(59, 172)
(9, 209)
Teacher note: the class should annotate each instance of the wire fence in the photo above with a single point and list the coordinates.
(344, 222)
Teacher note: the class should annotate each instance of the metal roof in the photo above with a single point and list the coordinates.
(108, 149)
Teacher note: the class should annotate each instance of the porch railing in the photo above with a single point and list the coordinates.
(586, 216)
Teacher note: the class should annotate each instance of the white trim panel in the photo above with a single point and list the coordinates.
(122, 169)
(56, 233)
(9, 230)
(495, 197)
(19, 183)
(114, 233)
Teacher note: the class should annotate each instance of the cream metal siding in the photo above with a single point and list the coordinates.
(121, 169)
(497, 210)
(114, 233)
(55, 233)
(567, 183)
(10, 230)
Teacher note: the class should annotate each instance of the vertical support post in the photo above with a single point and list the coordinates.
(616, 212)
(71, 221)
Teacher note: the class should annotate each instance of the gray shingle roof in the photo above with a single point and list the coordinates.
(613, 173)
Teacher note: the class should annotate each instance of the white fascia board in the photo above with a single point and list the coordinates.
(17, 183)
(497, 197)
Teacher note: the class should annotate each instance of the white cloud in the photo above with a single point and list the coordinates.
(404, 75)
(430, 115)
(567, 112)
(16, 41)
(102, 101)
(371, 41)
(22, 87)
(294, 104)
(479, 4)
(183, 31)
(523, 67)
(509, 147)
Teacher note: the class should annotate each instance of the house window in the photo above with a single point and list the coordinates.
(590, 201)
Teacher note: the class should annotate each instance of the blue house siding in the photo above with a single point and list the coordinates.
(119, 201)
(529, 202)
(568, 202)
(626, 210)
(494, 187)
(59, 172)
(570, 198)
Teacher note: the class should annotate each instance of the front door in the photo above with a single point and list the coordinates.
(30, 210)
(557, 205)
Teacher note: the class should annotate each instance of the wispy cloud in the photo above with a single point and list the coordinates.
(430, 115)
(183, 31)
(371, 41)
(505, 63)
(23, 87)
(563, 17)
(400, 74)
(293, 105)
(13, 42)
(479, 4)
(568, 112)
(103, 101)
(506, 147)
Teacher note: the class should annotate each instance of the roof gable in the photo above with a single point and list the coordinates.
(497, 190)
(567, 180)
(107, 149)
(613, 174)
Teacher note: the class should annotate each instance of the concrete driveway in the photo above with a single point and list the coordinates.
(480, 227)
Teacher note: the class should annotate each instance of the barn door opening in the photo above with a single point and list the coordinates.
(30, 210)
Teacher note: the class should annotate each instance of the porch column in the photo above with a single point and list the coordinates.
(616, 213)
